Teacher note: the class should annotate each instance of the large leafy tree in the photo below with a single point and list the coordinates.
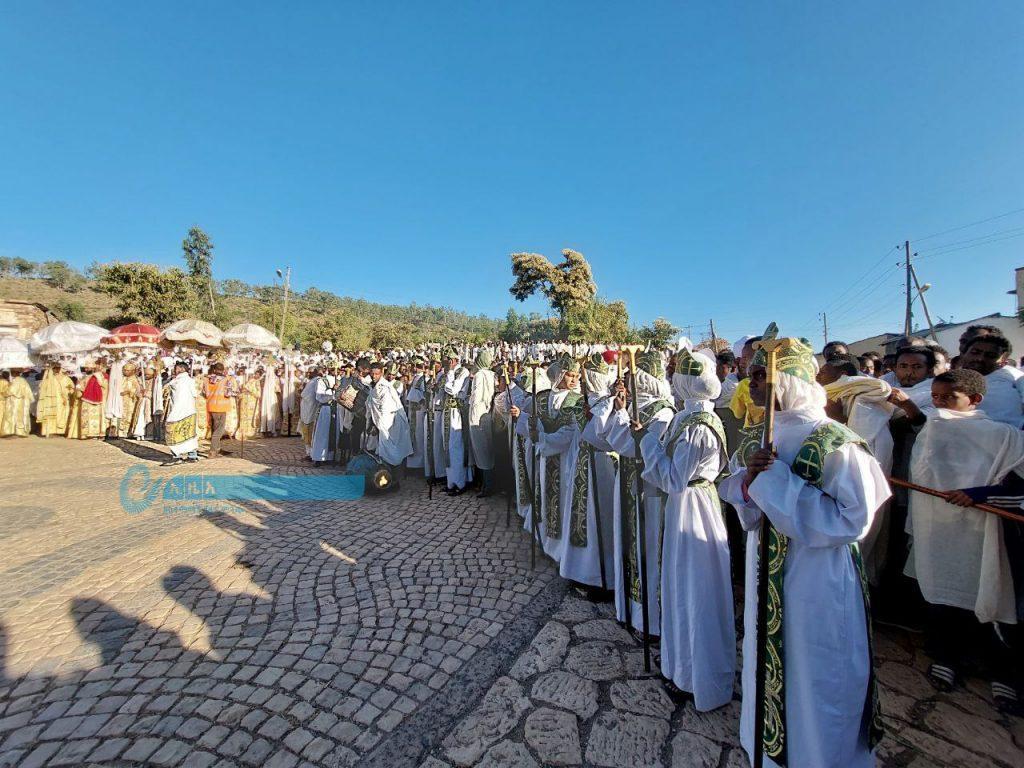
(568, 286)
(198, 252)
(598, 321)
(146, 293)
(658, 334)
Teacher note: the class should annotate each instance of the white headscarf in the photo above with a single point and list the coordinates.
(703, 386)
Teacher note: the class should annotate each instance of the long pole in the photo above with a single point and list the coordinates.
(824, 324)
(284, 315)
(593, 476)
(511, 491)
(769, 345)
(714, 338)
(908, 323)
(535, 496)
(924, 305)
(641, 515)
(428, 434)
(945, 495)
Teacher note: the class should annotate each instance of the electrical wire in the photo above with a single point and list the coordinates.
(967, 226)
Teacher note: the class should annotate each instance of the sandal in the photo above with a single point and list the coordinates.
(1004, 697)
(942, 677)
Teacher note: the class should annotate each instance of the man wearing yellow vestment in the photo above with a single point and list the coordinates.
(54, 401)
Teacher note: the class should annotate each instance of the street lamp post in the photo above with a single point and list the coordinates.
(287, 275)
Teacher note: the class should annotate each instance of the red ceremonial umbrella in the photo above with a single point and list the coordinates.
(131, 335)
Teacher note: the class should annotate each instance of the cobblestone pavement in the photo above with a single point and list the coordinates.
(579, 696)
(388, 631)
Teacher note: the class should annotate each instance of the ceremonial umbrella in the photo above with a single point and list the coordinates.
(250, 336)
(67, 338)
(192, 332)
(14, 354)
(131, 336)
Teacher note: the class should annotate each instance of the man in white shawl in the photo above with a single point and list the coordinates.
(450, 437)
(308, 409)
(1004, 401)
(387, 425)
(654, 401)
(180, 432)
(326, 444)
(556, 432)
(698, 628)
(959, 555)
(270, 402)
(415, 397)
(113, 408)
(588, 558)
(819, 490)
(525, 447)
(481, 394)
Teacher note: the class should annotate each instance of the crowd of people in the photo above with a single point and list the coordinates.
(646, 476)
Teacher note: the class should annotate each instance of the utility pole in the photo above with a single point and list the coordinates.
(908, 324)
(284, 315)
(824, 320)
(714, 338)
(924, 305)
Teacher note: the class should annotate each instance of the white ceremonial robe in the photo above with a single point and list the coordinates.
(456, 470)
(481, 393)
(522, 448)
(620, 436)
(825, 640)
(320, 448)
(958, 555)
(583, 564)
(1004, 396)
(415, 397)
(307, 411)
(436, 455)
(270, 417)
(563, 444)
(392, 442)
(698, 625)
(181, 433)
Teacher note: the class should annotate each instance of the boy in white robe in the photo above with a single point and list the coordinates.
(654, 401)
(387, 425)
(819, 490)
(698, 628)
(960, 556)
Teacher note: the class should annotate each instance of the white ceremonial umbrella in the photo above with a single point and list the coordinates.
(14, 354)
(250, 336)
(187, 332)
(66, 338)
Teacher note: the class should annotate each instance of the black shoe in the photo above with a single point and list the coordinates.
(455, 491)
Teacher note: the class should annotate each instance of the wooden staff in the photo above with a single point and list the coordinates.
(770, 344)
(593, 475)
(428, 433)
(534, 484)
(945, 496)
(641, 516)
(511, 448)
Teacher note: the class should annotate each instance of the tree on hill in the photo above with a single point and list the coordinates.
(60, 275)
(567, 286)
(69, 310)
(516, 328)
(23, 267)
(147, 293)
(598, 321)
(198, 252)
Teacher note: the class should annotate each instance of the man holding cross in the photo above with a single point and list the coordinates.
(819, 489)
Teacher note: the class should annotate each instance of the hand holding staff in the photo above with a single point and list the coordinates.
(641, 516)
(593, 475)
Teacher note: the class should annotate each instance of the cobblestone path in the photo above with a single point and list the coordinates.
(385, 631)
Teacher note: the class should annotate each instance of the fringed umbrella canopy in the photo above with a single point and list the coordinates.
(250, 336)
(188, 332)
(67, 338)
(131, 336)
(14, 354)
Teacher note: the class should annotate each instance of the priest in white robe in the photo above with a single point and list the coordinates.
(270, 402)
(654, 400)
(481, 395)
(308, 409)
(416, 400)
(180, 429)
(525, 448)
(820, 494)
(327, 429)
(589, 552)
(387, 425)
(698, 627)
(450, 421)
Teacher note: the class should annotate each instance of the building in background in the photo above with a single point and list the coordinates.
(23, 318)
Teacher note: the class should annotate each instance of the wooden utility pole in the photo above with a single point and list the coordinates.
(824, 321)
(714, 338)
(284, 314)
(908, 323)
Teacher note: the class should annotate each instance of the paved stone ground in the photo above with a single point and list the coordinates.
(387, 631)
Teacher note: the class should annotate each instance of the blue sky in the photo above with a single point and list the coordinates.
(742, 161)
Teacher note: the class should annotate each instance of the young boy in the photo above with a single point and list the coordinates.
(960, 556)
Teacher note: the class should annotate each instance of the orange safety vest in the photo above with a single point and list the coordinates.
(217, 400)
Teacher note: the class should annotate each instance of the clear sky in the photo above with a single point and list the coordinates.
(742, 161)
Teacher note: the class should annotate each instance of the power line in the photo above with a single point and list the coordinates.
(967, 226)
(970, 240)
(975, 245)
